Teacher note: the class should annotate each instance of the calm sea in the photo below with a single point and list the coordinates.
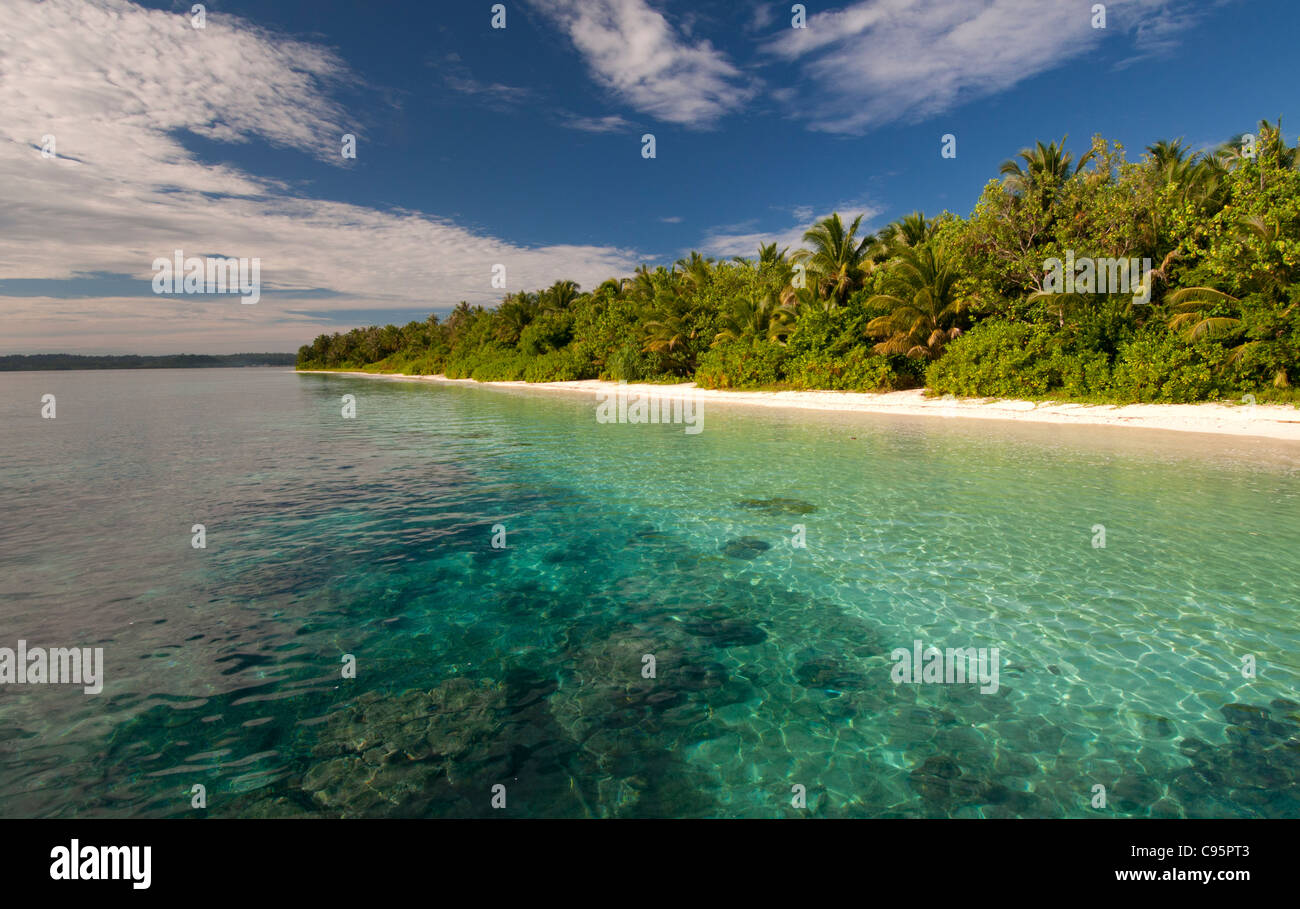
(1162, 666)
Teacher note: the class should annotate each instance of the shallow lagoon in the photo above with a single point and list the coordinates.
(477, 666)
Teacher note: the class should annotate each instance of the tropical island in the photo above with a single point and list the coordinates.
(962, 306)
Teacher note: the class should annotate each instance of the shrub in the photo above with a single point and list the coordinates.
(1160, 367)
(741, 364)
(858, 369)
(999, 359)
(994, 359)
(488, 364)
(628, 364)
(565, 365)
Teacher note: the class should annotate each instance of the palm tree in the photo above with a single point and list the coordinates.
(838, 262)
(514, 314)
(1275, 145)
(696, 271)
(559, 296)
(670, 337)
(927, 312)
(667, 329)
(1165, 154)
(799, 298)
(642, 285)
(768, 255)
(756, 317)
(1194, 316)
(1045, 168)
(1194, 308)
(908, 232)
(610, 287)
(1270, 145)
(457, 320)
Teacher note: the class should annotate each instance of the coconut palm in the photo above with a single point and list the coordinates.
(1192, 308)
(837, 262)
(1045, 167)
(641, 286)
(695, 272)
(1197, 311)
(1165, 153)
(768, 255)
(908, 232)
(797, 299)
(610, 287)
(558, 297)
(458, 320)
(1270, 145)
(668, 329)
(514, 314)
(927, 312)
(756, 317)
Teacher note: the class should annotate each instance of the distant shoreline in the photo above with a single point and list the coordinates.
(43, 362)
(1270, 421)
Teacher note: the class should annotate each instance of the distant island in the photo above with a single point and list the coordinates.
(19, 362)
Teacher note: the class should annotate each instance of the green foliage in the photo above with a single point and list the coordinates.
(566, 365)
(857, 369)
(1013, 359)
(956, 303)
(1159, 368)
(628, 364)
(744, 363)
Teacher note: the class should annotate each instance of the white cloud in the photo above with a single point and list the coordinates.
(882, 60)
(611, 123)
(490, 91)
(742, 240)
(116, 85)
(762, 16)
(633, 51)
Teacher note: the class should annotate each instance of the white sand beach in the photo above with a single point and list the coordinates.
(1269, 421)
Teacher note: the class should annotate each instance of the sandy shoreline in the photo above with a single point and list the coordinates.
(1270, 421)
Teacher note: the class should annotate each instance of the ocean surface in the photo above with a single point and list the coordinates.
(333, 542)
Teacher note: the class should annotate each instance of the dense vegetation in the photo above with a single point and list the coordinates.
(960, 305)
(20, 362)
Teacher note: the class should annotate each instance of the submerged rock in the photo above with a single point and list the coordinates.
(829, 674)
(727, 632)
(778, 506)
(1239, 714)
(745, 548)
(397, 754)
(569, 555)
(1255, 774)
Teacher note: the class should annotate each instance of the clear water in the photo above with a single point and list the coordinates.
(522, 667)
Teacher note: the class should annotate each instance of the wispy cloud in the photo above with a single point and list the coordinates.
(491, 91)
(611, 123)
(633, 51)
(882, 60)
(119, 87)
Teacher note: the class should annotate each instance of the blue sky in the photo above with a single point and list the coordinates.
(522, 146)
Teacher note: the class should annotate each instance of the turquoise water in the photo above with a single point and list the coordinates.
(522, 666)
